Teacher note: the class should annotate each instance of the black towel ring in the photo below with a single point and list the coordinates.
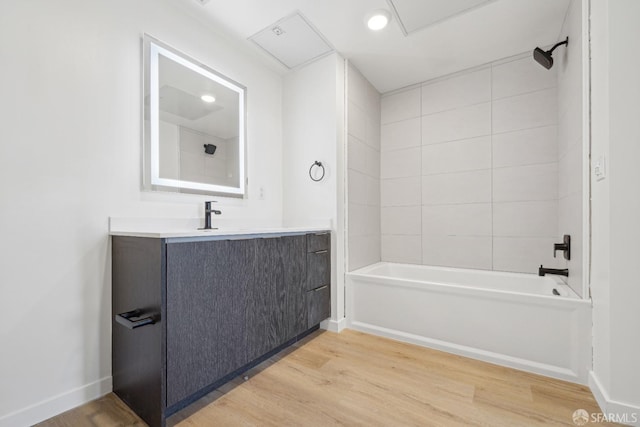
(320, 165)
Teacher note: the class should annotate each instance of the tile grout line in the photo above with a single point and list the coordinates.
(422, 240)
(491, 157)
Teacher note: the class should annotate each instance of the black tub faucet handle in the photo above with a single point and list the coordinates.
(565, 247)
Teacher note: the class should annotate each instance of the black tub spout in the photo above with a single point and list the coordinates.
(560, 272)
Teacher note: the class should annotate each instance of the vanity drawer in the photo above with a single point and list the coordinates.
(318, 242)
(318, 305)
(318, 269)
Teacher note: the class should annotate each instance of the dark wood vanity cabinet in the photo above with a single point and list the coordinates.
(218, 306)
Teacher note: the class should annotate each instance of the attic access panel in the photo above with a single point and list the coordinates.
(293, 41)
(416, 15)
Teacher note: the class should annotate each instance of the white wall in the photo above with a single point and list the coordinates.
(615, 270)
(363, 170)
(469, 171)
(313, 117)
(569, 64)
(70, 91)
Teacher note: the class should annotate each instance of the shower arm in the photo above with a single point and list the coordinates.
(566, 41)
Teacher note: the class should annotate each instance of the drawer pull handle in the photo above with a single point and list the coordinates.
(324, 251)
(125, 319)
(320, 288)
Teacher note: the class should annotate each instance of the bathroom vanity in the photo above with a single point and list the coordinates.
(192, 312)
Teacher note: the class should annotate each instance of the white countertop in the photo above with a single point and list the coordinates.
(165, 234)
(189, 228)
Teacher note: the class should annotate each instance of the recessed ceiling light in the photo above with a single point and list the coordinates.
(378, 19)
(208, 98)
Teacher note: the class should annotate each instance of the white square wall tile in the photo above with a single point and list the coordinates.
(525, 219)
(521, 76)
(402, 249)
(523, 183)
(372, 188)
(357, 218)
(373, 102)
(461, 123)
(356, 154)
(452, 188)
(570, 90)
(522, 255)
(357, 187)
(400, 163)
(570, 128)
(457, 220)
(570, 215)
(400, 191)
(401, 220)
(400, 106)
(525, 111)
(363, 189)
(372, 162)
(363, 251)
(458, 91)
(457, 156)
(570, 222)
(570, 172)
(357, 122)
(357, 87)
(569, 58)
(456, 251)
(364, 220)
(402, 134)
(373, 132)
(525, 147)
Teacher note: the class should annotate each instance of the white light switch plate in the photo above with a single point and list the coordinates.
(600, 168)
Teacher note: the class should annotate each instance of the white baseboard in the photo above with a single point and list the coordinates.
(473, 353)
(57, 404)
(630, 413)
(334, 325)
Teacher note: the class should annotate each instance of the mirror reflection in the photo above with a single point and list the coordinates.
(195, 121)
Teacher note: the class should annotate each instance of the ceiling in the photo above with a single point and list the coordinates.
(389, 59)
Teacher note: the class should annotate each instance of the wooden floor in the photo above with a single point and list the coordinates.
(355, 379)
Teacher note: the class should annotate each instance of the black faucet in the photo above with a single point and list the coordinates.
(560, 272)
(207, 215)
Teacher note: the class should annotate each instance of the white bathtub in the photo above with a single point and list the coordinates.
(509, 319)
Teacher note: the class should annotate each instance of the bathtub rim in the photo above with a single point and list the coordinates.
(363, 274)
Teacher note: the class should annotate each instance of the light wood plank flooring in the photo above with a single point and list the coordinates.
(356, 379)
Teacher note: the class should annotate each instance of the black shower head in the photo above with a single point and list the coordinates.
(544, 58)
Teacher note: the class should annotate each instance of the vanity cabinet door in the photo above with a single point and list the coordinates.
(318, 305)
(275, 297)
(206, 305)
(295, 272)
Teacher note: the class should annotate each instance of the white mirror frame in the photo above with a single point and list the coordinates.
(155, 49)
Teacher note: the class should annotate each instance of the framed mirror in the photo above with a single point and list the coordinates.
(194, 125)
